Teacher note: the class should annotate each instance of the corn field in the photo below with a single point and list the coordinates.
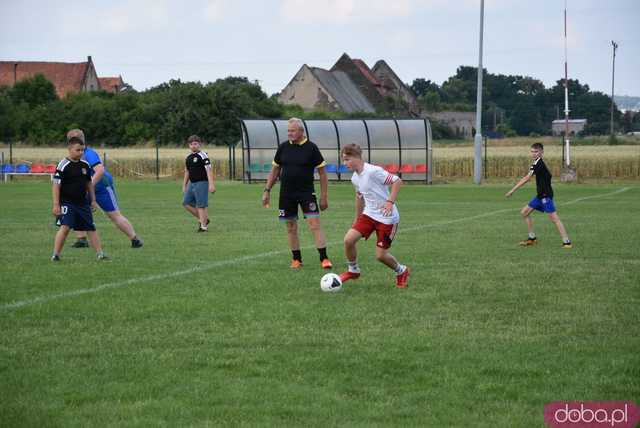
(450, 161)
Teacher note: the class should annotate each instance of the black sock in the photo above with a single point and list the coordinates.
(323, 253)
(297, 255)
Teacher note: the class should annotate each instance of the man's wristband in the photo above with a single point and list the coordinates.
(267, 190)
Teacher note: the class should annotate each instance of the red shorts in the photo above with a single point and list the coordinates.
(384, 232)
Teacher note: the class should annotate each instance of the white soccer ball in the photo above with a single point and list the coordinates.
(331, 283)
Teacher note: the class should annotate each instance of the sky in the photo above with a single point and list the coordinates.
(149, 42)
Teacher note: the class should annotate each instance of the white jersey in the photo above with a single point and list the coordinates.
(372, 184)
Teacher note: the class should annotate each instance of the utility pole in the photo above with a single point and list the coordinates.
(567, 172)
(613, 75)
(477, 164)
(566, 93)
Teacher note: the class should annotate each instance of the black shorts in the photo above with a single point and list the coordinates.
(76, 217)
(288, 206)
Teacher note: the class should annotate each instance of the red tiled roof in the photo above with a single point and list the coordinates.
(111, 84)
(66, 77)
(366, 71)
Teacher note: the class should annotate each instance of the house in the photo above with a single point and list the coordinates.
(67, 77)
(111, 84)
(363, 79)
(393, 86)
(575, 126)
(317, 89)
(349, 86)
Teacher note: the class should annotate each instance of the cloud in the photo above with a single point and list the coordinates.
(121, 17)
(214, 10)
(343, 11)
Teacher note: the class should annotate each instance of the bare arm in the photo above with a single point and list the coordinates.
(359, 205)
(387, 208)
(212, 185)
(92, 194)
(185, 181)
(519, 184)
(271, 179)
(98, 173)
(55, 192)
(324, 186)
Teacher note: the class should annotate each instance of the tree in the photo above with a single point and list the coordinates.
(421, 87)
(34, 91)
(430, 101)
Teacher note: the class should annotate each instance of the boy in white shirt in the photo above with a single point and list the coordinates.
(375, 211)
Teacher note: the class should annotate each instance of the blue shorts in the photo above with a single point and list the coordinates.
(106, 198)
(77, 217)
(197, 194)
(544, 205)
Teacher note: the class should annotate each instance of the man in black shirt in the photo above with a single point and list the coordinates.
(73, 199)
(543, 201)
(197, 183)
(295, 162)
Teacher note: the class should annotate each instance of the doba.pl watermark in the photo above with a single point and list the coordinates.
(591, 414)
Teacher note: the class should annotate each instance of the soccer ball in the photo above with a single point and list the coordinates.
(330, 283)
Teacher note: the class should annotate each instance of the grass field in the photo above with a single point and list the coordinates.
(214, 329)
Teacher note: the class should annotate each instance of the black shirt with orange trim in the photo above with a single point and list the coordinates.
(297, 162)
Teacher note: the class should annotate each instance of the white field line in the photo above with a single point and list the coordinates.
(219, 263)
(459, 220)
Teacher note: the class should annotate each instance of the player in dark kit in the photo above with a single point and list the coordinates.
(73, 199)
(543, 200)
(295, 162)
(198, 183)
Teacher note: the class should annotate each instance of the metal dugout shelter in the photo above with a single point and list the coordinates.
(401, 146)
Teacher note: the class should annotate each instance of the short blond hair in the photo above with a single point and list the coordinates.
(352, 150)
(75, 136)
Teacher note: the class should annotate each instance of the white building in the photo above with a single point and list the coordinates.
(575, 126)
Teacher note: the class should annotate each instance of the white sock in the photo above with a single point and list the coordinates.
(353, 267)
(203, 226)
(400, 269)
(566, 240)
(532, 235)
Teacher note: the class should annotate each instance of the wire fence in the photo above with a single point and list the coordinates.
(449, 160)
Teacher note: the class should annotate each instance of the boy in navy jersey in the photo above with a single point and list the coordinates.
(543, 201)
(73, 199)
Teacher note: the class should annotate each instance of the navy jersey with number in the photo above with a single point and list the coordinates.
(73, 177)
